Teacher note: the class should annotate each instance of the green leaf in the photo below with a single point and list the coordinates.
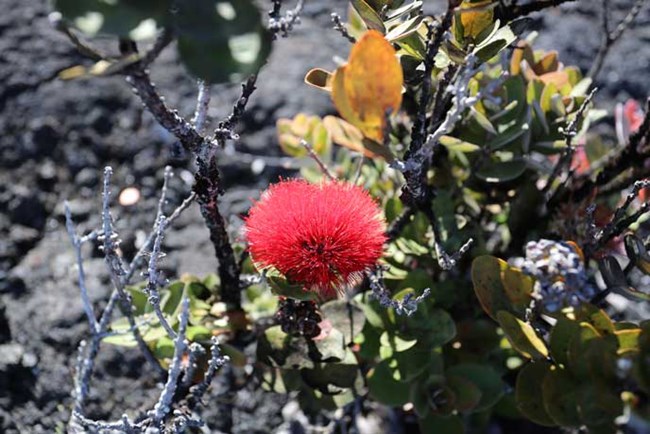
(485, 378)
(394, 343)
(369, 16)
(220, 41)
(561, 336)
(522, 336)
(281, 286)
(598, 405)
(328, 348)
(458, 145)
(487, 272)
(384, 388)
(628, 341)
(325, 375)
(560, 394)
(527, 392)
(467, 394)
(495, 44)
(501, 171)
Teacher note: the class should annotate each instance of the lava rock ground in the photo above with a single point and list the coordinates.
(56, 137)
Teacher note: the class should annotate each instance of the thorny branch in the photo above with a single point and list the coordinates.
(117, 272)
(88, 351)
(407, 306)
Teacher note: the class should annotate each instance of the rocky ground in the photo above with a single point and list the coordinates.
(56, 137)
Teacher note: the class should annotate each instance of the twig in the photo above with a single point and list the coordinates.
(435, 37)
(314, 156)
(400, 222)
(202, 104)
(184, 131)
(341, 28)
(216, 362)
(152, 285)
(570, 131)
(162, 41)
(619, 223)
(407, 306)
(610, 38)
(76, 243)
(225, 129)
(624, 159)
(148, 244)
(117, 272)
(509, 13)
(163, 406)
(284, 24)
(56, 20)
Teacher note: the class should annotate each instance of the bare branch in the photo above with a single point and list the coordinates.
(76, 242)
(314, 156)
(341, 28)
(610, 38)
(202, 104)
(513, 11)
(284, 24)
(153, 279)
(163, 406)
(408, 306)
(570, 131)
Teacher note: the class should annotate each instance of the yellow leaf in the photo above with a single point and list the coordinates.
(475, 17)
(369, 86)
(346, 135)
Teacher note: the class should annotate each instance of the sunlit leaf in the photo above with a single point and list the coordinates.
(369, 86)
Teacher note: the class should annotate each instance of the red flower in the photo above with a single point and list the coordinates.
(321, 236)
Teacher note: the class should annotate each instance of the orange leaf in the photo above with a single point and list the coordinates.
(369, 86)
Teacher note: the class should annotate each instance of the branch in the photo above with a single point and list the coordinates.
(117, 272)
(513, 11)
(284, 24)
(400, 222)
(623, 159)
(163, 406)
(216, 362)
(408, 306)
(76, 243)
(314, 156)
(610, 38)
(570, 131)
(225, 129)
(202, 105)
(341, 28)
(152, 284)
(619, 222)
(184, 131)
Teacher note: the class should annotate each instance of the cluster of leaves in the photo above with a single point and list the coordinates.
(581, 366)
